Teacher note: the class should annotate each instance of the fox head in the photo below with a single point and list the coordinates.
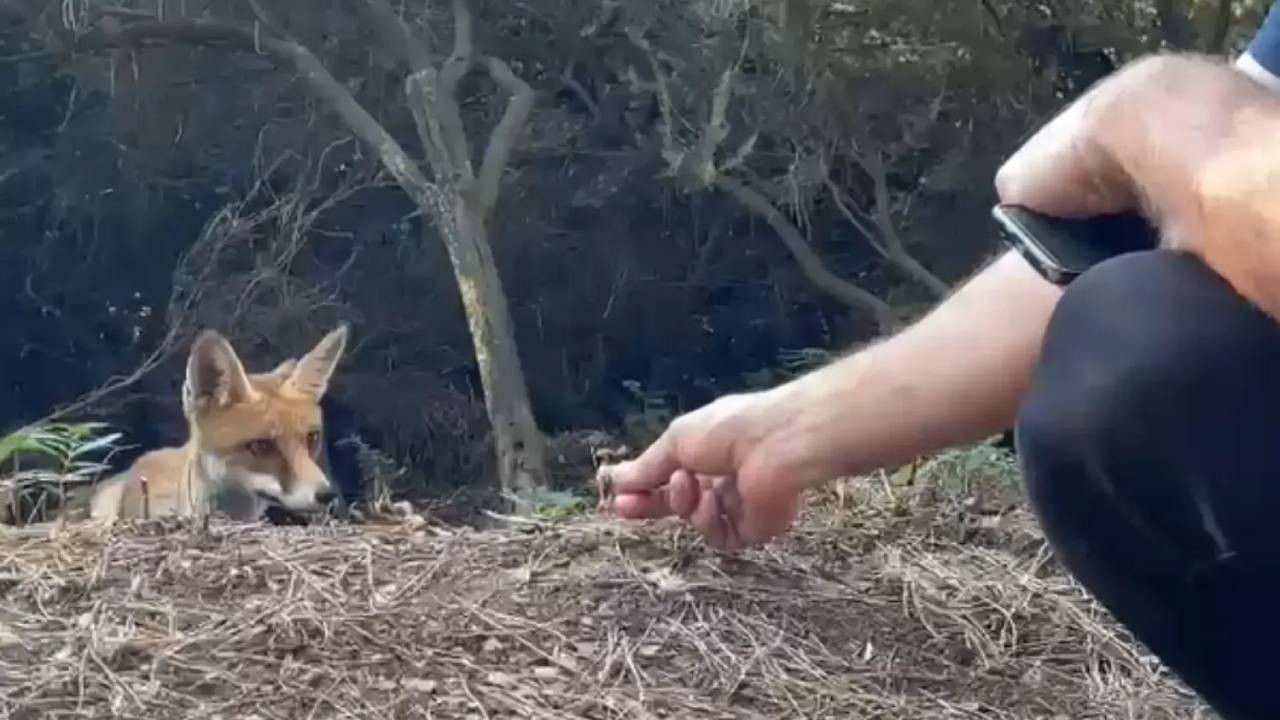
(261, 433)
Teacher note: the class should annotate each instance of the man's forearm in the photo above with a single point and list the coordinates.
(956, 376)
(1141, 138)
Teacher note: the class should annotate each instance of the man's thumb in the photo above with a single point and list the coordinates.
(652, 469)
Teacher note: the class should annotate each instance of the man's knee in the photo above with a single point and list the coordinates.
(1147, 444)
(1124, 340)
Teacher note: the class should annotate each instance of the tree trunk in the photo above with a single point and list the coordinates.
(518, 444)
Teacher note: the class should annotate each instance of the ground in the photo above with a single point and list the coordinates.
(923, 594)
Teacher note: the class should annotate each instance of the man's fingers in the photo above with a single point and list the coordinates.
(639, 506)
(707, 521)
(725, 490)
(730, 499)
(650, 470)
(683, 493)
(711, 504)
(712, 518)
(678, 497)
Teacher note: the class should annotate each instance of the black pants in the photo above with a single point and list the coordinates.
(1150, 445)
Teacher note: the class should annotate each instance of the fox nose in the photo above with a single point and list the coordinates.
(324, 497)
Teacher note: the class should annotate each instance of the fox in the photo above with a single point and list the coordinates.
(254, 441)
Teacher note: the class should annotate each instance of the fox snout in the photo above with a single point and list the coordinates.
(312, 495)
(308, 496)
(301, 486)
(307, 491)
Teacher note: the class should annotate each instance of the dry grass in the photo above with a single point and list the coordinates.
(886, 602)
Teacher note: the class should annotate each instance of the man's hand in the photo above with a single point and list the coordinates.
(737, 468)
(720, 467)
(1064, 169)
(1189, 141)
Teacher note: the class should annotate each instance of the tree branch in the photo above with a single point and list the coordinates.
(897, 250)
(420, 95)
(434, 103)
(671, 150)
(269, 17)
(995, 17)
(395, 34)
(503, 138)
(323, 85)
(809, 262)
(450, 114)
(462, 35)
(566, 77)
(422, 90)
(844, 204)
(716, 128)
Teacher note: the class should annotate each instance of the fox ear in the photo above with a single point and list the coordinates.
(282, 373)
(311, 376)
(285, 368)
(215, 376)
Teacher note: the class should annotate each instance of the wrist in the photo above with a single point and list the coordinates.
(809, 420)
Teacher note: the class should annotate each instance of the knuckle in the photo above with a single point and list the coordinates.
(680, 425)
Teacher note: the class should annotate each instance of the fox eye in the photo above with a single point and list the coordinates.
(313, 441)
(259, 447)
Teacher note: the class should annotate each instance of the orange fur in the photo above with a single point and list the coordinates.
(254, 440)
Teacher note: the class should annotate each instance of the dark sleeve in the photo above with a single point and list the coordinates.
(1265, 47)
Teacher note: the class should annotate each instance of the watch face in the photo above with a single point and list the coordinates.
(1043, 268)
(1062, 249)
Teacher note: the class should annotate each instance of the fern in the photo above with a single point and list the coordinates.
(64, 443)
(28, 481)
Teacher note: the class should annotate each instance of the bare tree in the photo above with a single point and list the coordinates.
(696, 166)
(457, 198)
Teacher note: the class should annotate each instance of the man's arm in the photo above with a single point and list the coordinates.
(1149, 137)
(1140, 138)
(1136, 141)
(956, 376)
